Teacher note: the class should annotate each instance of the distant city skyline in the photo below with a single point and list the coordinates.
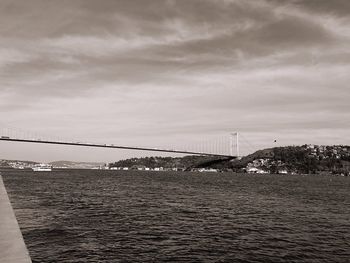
(166, 73)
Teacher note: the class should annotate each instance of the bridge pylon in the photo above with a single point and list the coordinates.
(234, 144)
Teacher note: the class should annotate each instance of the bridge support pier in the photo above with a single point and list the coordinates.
(12, 247)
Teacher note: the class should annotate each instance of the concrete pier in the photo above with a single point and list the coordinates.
(12, 247)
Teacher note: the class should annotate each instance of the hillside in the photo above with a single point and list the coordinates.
(16, 164)
(19, 164)
(180, 163)
(76, 165)
(305, 159)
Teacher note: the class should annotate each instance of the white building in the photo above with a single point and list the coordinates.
(254, 170)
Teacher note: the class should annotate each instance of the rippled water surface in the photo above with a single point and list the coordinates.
(111, 216)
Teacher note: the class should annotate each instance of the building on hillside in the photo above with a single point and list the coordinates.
(254, 170)
(282, 171)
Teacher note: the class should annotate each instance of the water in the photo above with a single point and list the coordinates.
(116, 216)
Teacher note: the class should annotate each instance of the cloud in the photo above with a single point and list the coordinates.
(173, 71)
(10, 57)
(335, 7)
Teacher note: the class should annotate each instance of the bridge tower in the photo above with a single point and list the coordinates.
(234, 145)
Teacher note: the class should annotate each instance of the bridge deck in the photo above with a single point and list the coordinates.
(12, 247)
(114, 146)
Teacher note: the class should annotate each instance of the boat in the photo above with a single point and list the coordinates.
(42, 168)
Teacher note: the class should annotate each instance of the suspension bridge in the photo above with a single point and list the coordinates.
(222, 147)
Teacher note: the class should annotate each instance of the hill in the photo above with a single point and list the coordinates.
(19, 164)
(16, 164)
(180, 163)
(305, 159)
(76, 165)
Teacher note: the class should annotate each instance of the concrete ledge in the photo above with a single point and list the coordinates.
(12, 247)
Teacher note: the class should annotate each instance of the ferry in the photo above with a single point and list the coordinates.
(42, 168)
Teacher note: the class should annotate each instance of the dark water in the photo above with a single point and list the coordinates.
(111, 216)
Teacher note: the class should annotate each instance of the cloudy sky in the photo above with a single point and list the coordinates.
(172, 73)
